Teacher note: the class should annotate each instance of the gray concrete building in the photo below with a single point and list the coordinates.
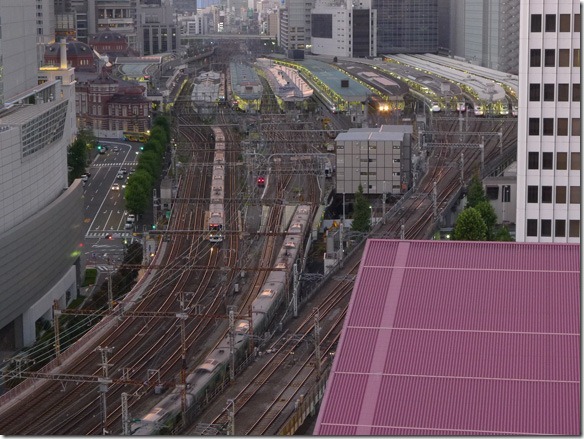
(486, 33)
(40, 214)
(406, 26)
(378, 159)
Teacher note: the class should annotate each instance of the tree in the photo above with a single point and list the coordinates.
(470, 226)
(76, 159)
(502, 234)
(361, 212)
(489, 216)
(475, 193)
(137, 197)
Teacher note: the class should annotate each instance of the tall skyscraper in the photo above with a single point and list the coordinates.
(40, 214)
(406, 26)
(486, 32)
(548, 146)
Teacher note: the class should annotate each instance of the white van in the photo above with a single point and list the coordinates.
(130, 220)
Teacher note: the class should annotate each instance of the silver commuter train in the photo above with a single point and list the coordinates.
(215, 367)
(216, 214)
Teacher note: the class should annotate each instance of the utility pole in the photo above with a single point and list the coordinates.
(110, 294)
(182, 316)
(383, 203)
(296, 287)
(125, 416)
(482, 146)
(317, 344)
(462, 169)
(56, 314)
(231, 417)
(231, 343)
(435, 200)
(103, 386)
(402, 232)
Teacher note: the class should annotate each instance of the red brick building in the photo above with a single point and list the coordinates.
(79, 55)
(106, 104)
(111, 43)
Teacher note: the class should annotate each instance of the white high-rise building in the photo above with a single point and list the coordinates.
(548, 144)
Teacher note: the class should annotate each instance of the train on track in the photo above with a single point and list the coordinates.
(216, 214)
(215, 368)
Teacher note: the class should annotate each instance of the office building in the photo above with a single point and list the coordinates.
(486, 33)
(548, 146)
(406, 26)
(41, 216)
(343, 28)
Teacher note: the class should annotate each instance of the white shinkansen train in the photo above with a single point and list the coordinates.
(215, 368)
(216, 214)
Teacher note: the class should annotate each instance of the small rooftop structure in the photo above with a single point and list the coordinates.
(465, 338)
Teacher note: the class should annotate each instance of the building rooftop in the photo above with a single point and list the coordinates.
(445, 338)
(384, 132)
(332, 78)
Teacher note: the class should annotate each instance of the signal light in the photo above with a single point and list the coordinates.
(153, 226)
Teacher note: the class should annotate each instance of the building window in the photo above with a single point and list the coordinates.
(550, 58)
(550, 22)
(560, 194)
(535, 58)
(492, 192)
(535, 22)
(563, 92)
(564, 22)
(546, 227)
(506, 195)
(547, 160)
(575, 126)
(533, 126)
(576, 60)
(532, 194)
(533, 160)
(548, 92)
(534, 92)
(574, 194)
(575, 161)
(575, 92)
(562, 159)
(562, 126)
(577, 23)
(531, 227)
(548, 126)
(564, 58)
(560, 228)
(546, 194)
(574, 228)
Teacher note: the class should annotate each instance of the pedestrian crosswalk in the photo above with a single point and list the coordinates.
(113, 165)
(114, 234)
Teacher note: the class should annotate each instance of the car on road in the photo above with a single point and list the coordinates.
(115, 187)
(85, 176)
(115, 149)
(123, 170)
(120, 175)
(130, 220)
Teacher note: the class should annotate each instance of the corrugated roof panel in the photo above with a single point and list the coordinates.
(363, 341)
(470, 338)
(477, 405)
(462, 353)
(344, 410)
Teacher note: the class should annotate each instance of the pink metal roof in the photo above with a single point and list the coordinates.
(459, 338)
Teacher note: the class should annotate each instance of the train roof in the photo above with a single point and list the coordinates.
(332, 78)
(486, 89)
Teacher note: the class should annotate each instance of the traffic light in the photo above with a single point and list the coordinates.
(153, 226)
(141, 147)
